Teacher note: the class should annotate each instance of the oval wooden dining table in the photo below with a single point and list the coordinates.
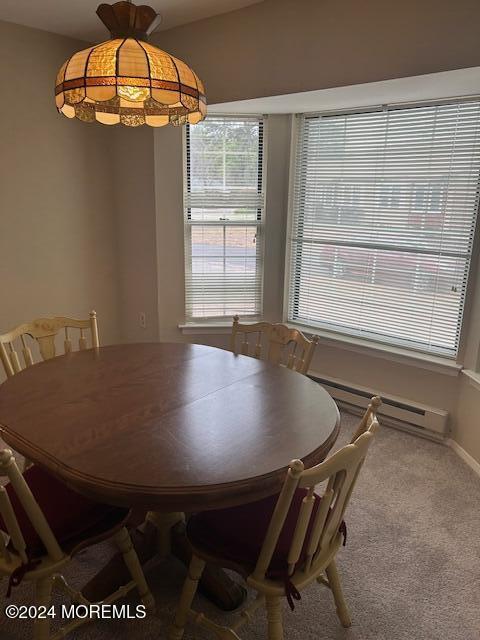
(168, 427)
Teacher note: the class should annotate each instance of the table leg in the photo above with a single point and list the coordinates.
(164, 524)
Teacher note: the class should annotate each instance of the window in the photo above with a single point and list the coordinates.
(224, 211)
(383, 216)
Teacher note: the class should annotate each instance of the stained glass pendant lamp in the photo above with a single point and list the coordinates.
(126, 80)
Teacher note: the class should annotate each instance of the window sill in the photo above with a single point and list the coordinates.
(210, 328)
(473, 378)
(420, 360)
(357, 345)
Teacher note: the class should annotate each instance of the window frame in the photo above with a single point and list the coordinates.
(364, 344)
(259, 223)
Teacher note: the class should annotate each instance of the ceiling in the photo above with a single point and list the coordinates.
(432, 86)
(77, 18)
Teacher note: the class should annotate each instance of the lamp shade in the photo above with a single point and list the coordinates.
(126, 80)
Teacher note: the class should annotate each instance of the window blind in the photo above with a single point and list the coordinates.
(384, 209)
(224, 210)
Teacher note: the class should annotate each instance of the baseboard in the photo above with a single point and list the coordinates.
(466, 457)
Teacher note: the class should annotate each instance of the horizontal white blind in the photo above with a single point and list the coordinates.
(384, 210)
(224, 206)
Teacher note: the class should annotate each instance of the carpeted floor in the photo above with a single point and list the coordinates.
(411, 568)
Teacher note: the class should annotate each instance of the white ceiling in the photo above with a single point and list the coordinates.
(77, 18)
(431, 86)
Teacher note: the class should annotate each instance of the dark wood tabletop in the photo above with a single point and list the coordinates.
(173, 427)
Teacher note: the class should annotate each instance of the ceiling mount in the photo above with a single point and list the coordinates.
(126, 20)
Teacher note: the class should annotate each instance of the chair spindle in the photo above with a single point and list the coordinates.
(67, 343)
(301, 528)
(318, 525)
(27, 354)
(245, 345)
(82, 342)
(292, 358)
(14, 359)
(258, 345)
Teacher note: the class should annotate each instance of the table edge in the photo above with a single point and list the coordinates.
(179, 499)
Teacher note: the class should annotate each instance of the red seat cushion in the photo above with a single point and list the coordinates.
(237, 534)
(69, 514)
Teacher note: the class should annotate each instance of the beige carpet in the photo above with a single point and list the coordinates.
(411, 568)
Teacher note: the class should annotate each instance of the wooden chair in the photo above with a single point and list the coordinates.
(43, 524)
(280, 544)
(44, 332)
(284, 346)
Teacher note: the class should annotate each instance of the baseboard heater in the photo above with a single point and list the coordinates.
(419, 419)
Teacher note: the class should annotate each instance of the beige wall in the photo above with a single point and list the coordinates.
(466, 425)
(169, 222)
(286, 46)
(134, 200)
(57, 227)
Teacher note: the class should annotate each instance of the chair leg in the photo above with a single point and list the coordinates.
(336, 587)
(124, 543)
(43, 595)
(274, 618)
(195, 570)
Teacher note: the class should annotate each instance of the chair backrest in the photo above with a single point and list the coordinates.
(12, 542)
(341, 472)
(281, 344)
(44, 332)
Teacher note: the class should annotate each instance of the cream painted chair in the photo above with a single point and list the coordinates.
(44, 332)
(283, 543)
(283, 345)
(43, 524)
